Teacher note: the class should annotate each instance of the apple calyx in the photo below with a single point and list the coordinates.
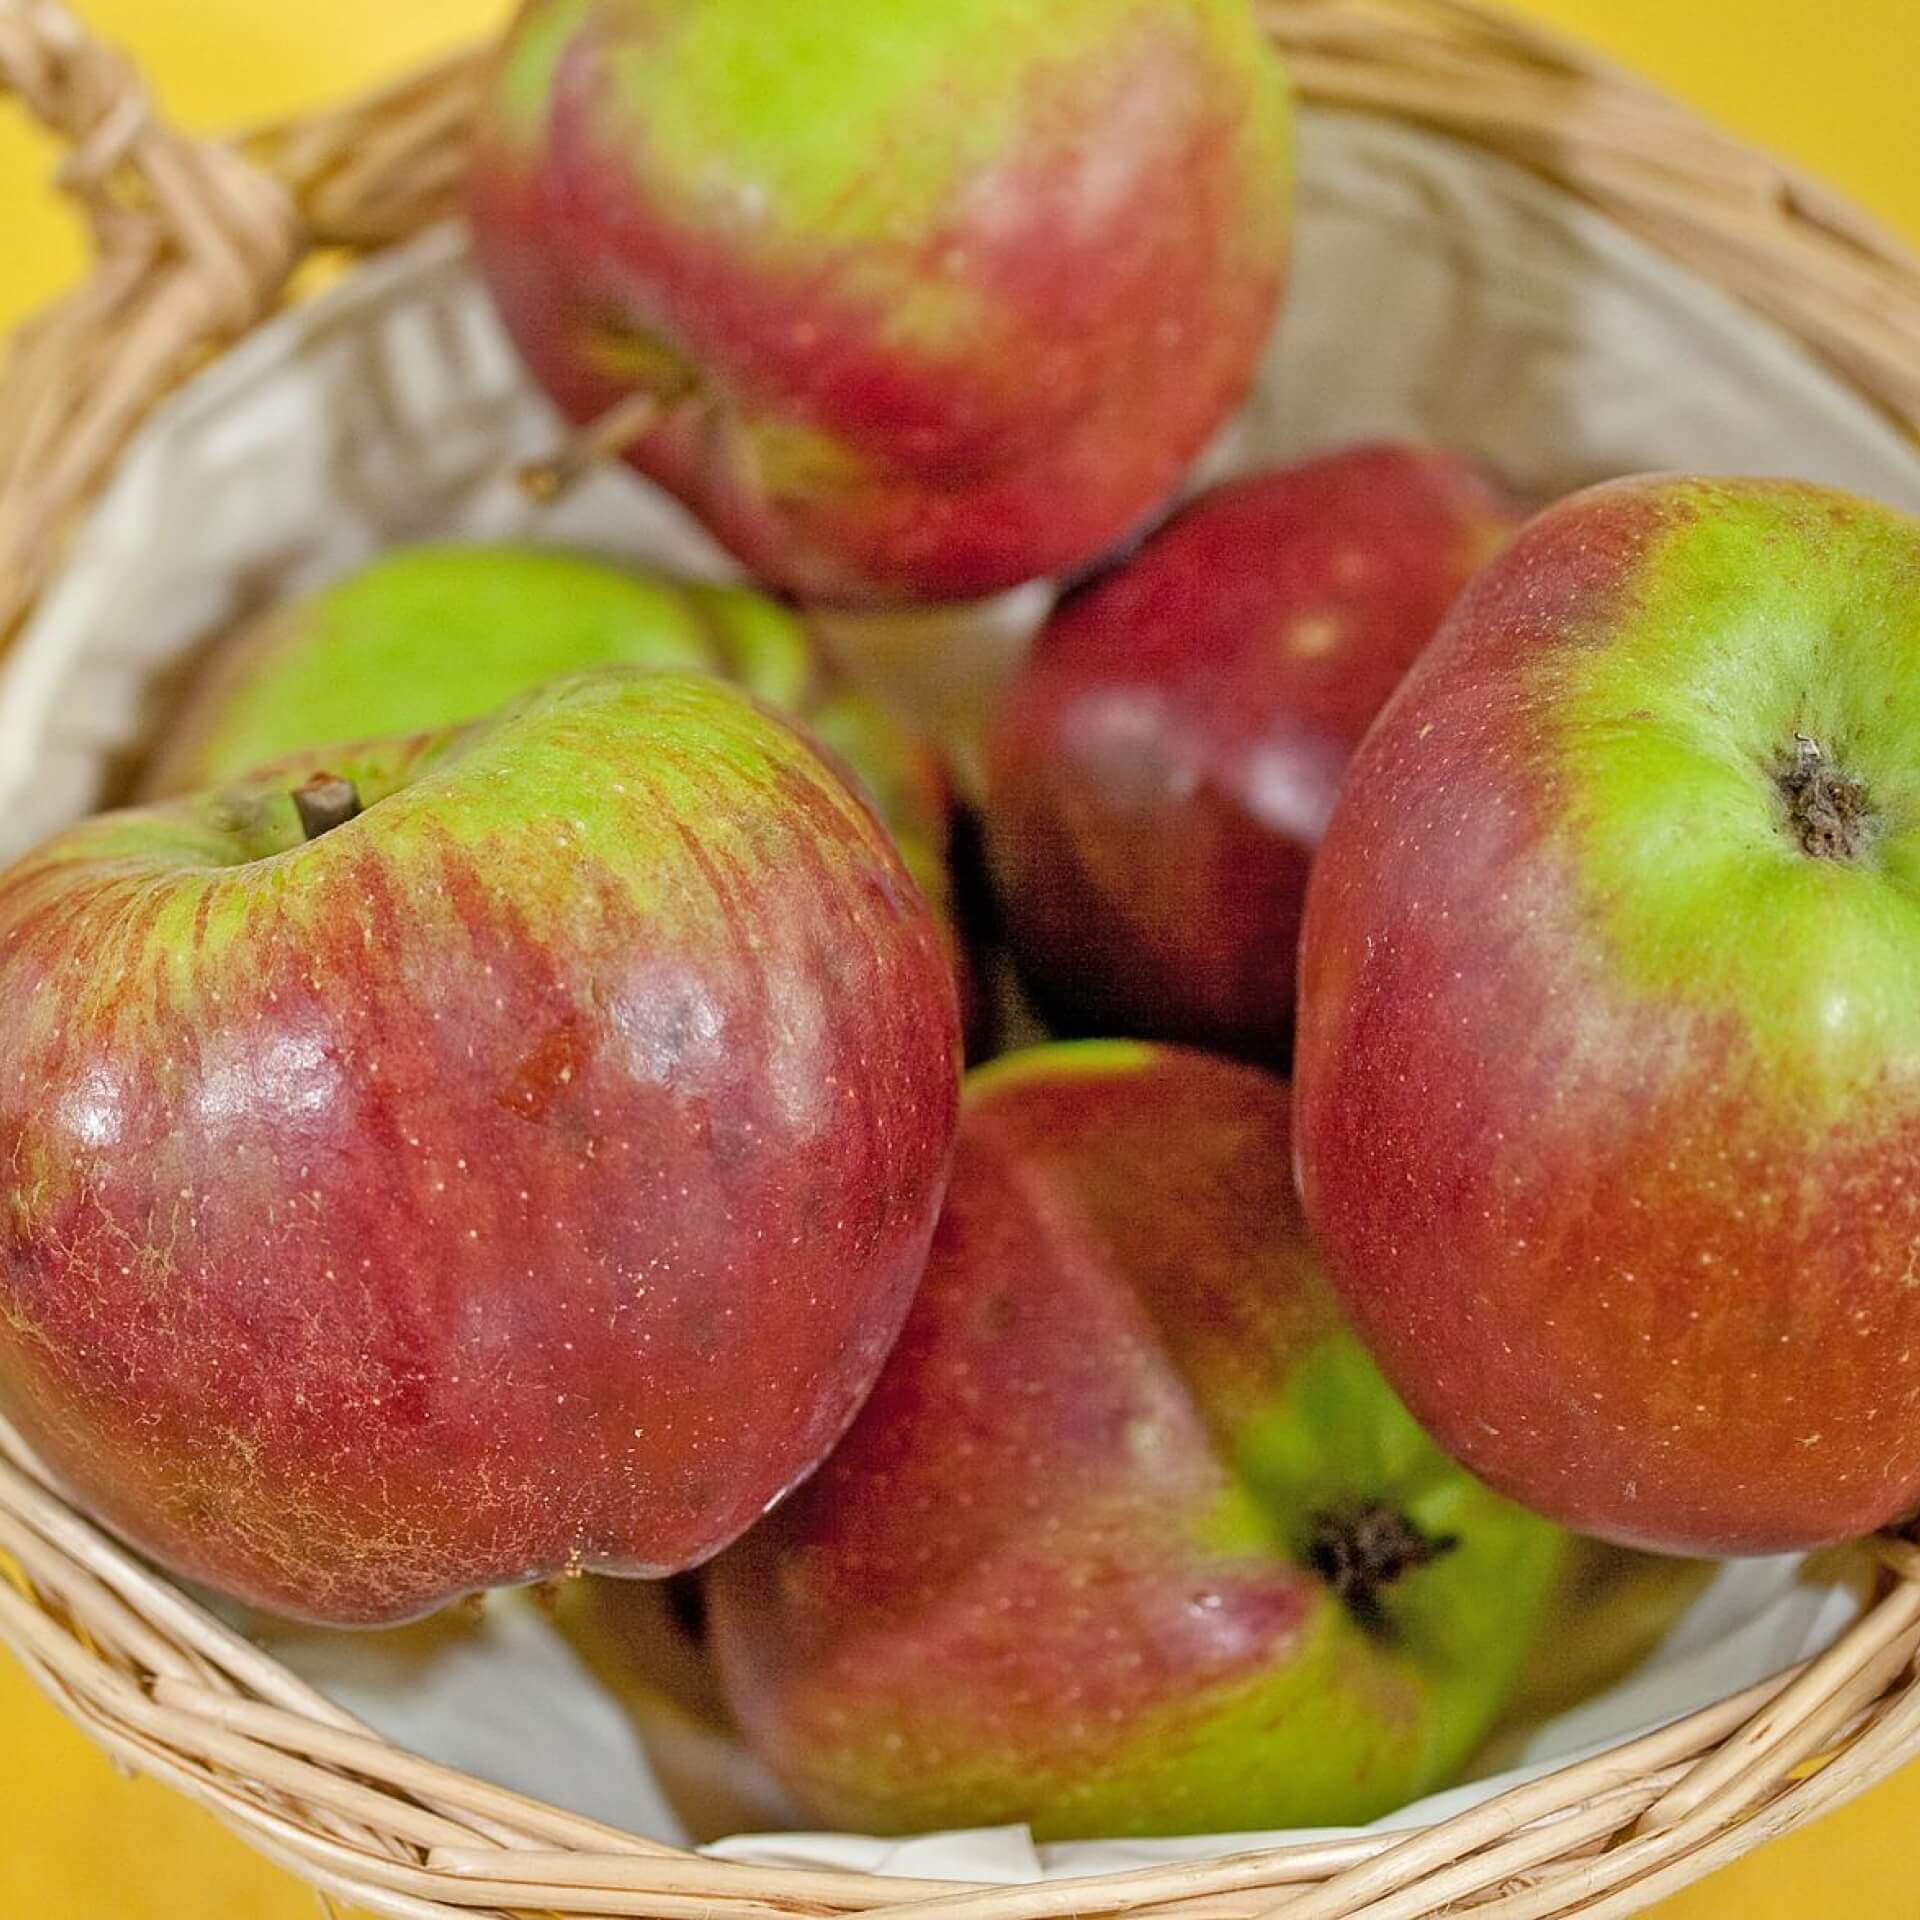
(1361, 1551)
(324, 802)
(1827, 809)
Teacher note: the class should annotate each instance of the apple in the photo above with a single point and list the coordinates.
(1609, 1047)
(438, 1164)
(1131, 1537)
(431, 636)
(426, 637)
(906, 299)
(1161, 769)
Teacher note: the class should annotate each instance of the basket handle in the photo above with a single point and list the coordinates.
(195, 245)
(142, 185)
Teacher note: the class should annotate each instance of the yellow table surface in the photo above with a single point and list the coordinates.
(1830, 84)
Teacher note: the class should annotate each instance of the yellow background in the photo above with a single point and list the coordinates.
(1831, 84)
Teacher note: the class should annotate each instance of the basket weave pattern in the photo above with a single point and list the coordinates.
(198, 242)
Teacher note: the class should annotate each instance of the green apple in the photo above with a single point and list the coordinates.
(433, 636)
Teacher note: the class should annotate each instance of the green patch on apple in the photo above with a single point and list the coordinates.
(529, 65)
(825, 110)
(1765, 639)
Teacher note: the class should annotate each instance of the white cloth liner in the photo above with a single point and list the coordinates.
(1439, 293)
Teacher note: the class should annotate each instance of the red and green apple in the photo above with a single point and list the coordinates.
(1609, 1046)
(433, 636)
(440, 1164)
(1131, 1537)
(922, 298)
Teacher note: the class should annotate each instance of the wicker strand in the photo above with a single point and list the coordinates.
(242, 1758)
(196, 243)
(195, 246)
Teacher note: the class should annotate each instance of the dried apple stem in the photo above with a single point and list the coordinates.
(325, 802)
(606, 439)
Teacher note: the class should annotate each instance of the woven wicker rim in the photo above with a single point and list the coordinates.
(200, 241)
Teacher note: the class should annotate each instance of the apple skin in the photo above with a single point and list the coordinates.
(531, 1173)
(935, 296)
(429, 637)
(1162, 767)
(1609, 1089)
(1056, 1571)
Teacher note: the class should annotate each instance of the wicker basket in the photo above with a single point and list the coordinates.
(198, 243)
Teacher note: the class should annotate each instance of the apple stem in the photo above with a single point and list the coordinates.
(325, 802)
(1361, 1551)
(1827, 809)
(551, 479)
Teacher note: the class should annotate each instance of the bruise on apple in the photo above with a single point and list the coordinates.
(1062, 1569)
(1609, 1061)
(528, 1173)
